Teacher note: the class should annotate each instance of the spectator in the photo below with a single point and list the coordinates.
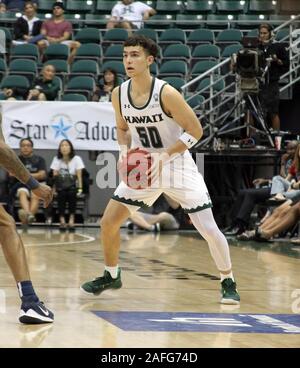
(2, 8)
(59, 30)
(130, 15)
(27, 28)
(106, 86)
(17, 5)
(282, 219)
(67, 173)
(269, 93)
(160, 218)
(36, 165)
(45, 88)
(14, 93)
(248, 198)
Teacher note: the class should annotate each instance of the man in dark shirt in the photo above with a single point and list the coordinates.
(269, 93)
(36, 165)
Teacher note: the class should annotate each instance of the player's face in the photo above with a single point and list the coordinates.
(26, 148)
(136, 61)
(264, 35)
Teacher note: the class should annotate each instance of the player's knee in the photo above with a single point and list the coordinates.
(108, 224)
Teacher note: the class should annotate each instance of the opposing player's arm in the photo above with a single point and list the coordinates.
(123, 134)
(175, 106)
(10, 161)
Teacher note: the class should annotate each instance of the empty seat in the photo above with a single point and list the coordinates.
(91, 51)
(115, 36)
(230, 7)
(189, 21)
(175, 82)
(15, 81)
(173, 35)
(74, 97)
(246, 21)
(205, 52)
(82, 85)
(25, 67)
(26, 51)
(229, 36)
(262, 7)
(79, 6)
(159, 21)
(57, 51)
(196, 101)
(150, 33)
(88, 35)
(167, 6)
(84, 68)
(199, 7)
(199, 36)
(179, 52)
(113, 52)
(202, 66)
(173, 68)
(115, 65)
(231, 49)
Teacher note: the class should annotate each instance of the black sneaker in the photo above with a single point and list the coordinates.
(97, 286)
(33, 313)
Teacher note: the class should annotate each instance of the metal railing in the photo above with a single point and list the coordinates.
(211, 113)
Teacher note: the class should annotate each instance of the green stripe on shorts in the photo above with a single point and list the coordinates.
(199, 208)
(129, 201)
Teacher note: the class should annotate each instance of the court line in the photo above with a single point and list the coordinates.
(88, 239)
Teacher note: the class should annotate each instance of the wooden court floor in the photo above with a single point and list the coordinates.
(170, 294)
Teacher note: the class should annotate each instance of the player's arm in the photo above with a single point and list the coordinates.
(10, 161)
(123, 133)
(175, 106)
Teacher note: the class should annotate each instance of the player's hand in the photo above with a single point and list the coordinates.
(158, 161)
(123, 154)
(45, 193)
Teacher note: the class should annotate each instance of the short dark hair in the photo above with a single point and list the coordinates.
(146, 43)
(72, 151)
(26, 139)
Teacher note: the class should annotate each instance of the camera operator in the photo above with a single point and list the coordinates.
(276, 53)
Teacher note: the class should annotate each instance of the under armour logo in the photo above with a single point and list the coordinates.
(126, 106)
(190, 141)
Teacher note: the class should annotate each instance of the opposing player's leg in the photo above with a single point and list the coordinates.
(114, 216)
(32, 310)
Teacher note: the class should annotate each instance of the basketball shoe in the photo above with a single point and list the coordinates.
(229, 292)
(98, 285)
(34, 312)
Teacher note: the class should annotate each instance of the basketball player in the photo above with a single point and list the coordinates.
(33, 310)
(153, 114)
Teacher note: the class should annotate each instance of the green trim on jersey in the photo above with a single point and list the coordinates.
(129, 201)
(150, 96)
(197, 209)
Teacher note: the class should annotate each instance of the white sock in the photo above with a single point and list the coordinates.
(113, 271)
(227, 276)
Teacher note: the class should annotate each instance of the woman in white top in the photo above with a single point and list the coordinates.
(67, 172)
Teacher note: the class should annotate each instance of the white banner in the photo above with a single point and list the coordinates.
(89, 126)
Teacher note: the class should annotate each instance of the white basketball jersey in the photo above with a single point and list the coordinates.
(150, 127)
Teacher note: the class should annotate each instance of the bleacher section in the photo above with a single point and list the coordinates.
(193, 36)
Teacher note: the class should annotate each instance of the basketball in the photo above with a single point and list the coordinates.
(133, 169)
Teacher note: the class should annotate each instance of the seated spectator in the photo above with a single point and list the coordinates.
(59, 30)
(67, 174)
(36, 165)
(130, 15)
(2, 8)
(281, 220)
(288, 187)
(44, 87)
(106, 86)
(27, 28)
(17, 5)
(160, 217)
(248, 198)
(14, 93)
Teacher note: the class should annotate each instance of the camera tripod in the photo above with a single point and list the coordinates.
(252, 104)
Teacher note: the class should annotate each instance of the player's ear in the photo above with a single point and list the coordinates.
(150, 59)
